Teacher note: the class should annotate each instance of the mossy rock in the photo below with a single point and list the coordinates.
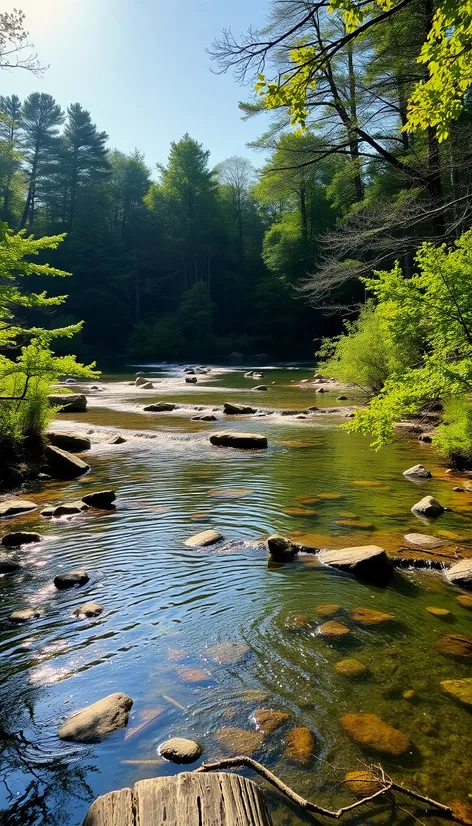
(372, 733)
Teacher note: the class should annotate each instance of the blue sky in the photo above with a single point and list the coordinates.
(141, 69)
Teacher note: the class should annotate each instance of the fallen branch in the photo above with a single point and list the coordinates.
(388, 787)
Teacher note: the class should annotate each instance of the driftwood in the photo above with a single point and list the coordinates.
(388, 788)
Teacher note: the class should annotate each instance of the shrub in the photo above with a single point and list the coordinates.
(453, 437)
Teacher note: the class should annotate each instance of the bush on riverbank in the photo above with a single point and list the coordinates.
(453, 437)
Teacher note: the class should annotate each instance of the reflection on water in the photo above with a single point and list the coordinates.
(167, 606)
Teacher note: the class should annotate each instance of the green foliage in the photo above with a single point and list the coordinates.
(453, 437)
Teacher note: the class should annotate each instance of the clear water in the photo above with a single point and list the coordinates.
(166, 606)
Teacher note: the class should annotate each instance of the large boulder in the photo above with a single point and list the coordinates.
(73, 442)
(246, 441)
(94, 723)
(417, 472)
(100, 499)
(63, 465)
(71, 579)
(374, 734)
(69, 403)
(19, 538)
(180, 750)
(232, 409)
(428, 506)
(281, 549)
(203, 539)
(367, 562)
(461, 573)
(459, 689)
(13, 507)
(160, 407)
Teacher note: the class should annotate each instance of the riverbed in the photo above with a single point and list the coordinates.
(169, 609)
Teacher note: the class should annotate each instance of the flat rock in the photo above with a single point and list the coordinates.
(333, 629)
(24, 615)
(368, 562)
(100, 499)
(369, 616)
(465, 600)
(63, 465)
(73, 442)
(417, 472)
(232, 409)
(300, 745)
(94, 723)
(455, 645)
(66, 509)
(363, 782)
(15, 540)
(239, 740)
(351, 668)
(424, 541)
(372, 733)
(246, 441)
(327, 609)
(228, 652)
(460, 573)
(428, 506)
(181, 750)
(71, 579)
(88, 609)
(459, 689)
(203, 539)
(268, 720)
(161, 407)
(13, 507)
(281, 549)
(8, 565)
(68, 403)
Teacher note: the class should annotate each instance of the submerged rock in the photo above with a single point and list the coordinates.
(368, 562)
(327, 609)
(461, 573)
(69, 403)
(160, 407)
(228, 652)
(239, 740)
(203, 539)
(13, 507)
(465, 600)
(368, 616)
(88, 609)
(193, 675)
(424, 541)
(281, 549)
(428, 506)
(363, 782)
(300, 745)
(438, 612)
(16, 540)
(8, 565)
(63, 465)
(24, 615)
(333, 629)
(268, 720)
(94, 723)
(73, 442)
(372, 733)
(351, 668)
(459, 689)
(455, 645)
(417, 472)
(299, 622)
(102, 499)
(246, 441)
(181, 750)
(71, 579)
(232, 409)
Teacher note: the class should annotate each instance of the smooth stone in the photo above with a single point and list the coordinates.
(438, 612)
(13, 507)
(71, 579)
(24, 615)
(94, 723)
(147, 385)
(350, 667)
(228, 652)
(459, 689)
(281, 549)
(417, 472)
(100, 499)
(88, 609)
(465, 600)
(428, 506)
(15, 540)
(460, 573)
(300, 745)
(239, 740)
(327, 609)
(371, 732)
(63, 465)
(160, 407)
(237, 409)
(368, 616)
(268, 720)
(7, 565)
(141, 381)
(423, 540)
(203, 539)
(455, 645)
(246, 441)
(363, 782)
(117, 440)
(69, 403)
(69, 441)
(68, 509)
(368, 562)
(333, 629)
(181, 750)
